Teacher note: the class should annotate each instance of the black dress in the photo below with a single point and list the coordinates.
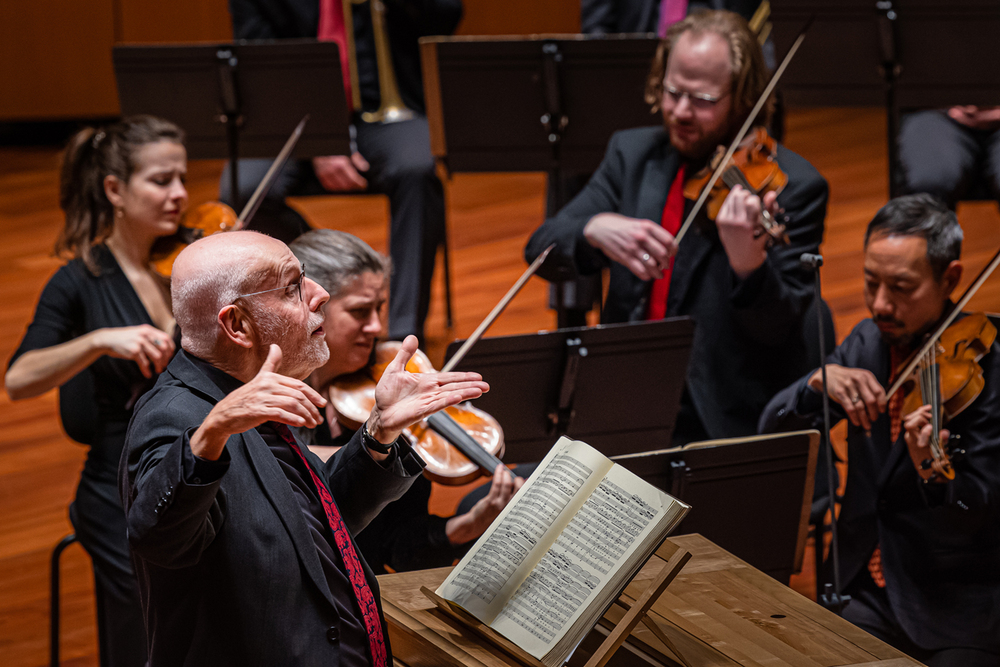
(95, 407)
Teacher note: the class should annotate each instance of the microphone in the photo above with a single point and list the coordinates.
(810, 261)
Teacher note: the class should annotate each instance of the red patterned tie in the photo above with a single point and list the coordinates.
(363, 592)
(333, 29)
(895, 410)
(673, 211)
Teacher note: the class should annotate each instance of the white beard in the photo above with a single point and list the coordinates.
(301, 352)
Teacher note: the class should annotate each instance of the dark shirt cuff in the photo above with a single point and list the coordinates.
(809, 400)
(199, 471)
(746, 291)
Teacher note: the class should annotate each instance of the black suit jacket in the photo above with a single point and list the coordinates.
(228, 573)
(748, 334)
(406, 22)
(940, 542)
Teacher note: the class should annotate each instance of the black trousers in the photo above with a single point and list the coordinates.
(869, 609)
(947, 159)
(99, 522)
(402, 168)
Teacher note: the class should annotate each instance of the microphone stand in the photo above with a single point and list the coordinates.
(832, 599)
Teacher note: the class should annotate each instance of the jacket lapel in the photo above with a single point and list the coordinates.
(694, 249)
(272, 479)
(279, 493)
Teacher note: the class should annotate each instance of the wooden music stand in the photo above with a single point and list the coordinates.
(717, 612)
(636, 611)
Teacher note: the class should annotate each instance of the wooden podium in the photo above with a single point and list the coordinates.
(718, 611)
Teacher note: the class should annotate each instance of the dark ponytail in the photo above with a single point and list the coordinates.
(91, 156)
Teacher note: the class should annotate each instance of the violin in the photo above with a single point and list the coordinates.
(458, 444)
(203, 220)
(757, 159)
(752, 166)
(476, 437)
(213, 217)
(945, 374)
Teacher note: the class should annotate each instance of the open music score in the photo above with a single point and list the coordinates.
(562, 551)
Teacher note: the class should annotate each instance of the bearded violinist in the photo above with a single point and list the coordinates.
(748, 300)
(919, 558)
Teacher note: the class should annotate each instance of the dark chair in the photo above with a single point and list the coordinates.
(54, 598)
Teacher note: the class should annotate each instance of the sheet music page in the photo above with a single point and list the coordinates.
(502, 558)
(605, 532)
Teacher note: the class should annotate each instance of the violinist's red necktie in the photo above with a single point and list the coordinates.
(333, 29)
(895, 410)
(673, 211)
(362, 591)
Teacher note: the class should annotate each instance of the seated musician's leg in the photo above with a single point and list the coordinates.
(403, 169)
(274, 217)
(937, 155)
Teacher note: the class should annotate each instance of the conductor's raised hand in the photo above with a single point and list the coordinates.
(269, 396)
(403, 398)
(642, 246)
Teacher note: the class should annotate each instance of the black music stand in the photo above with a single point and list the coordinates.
(537, 103)
(751, 496)
(241, 99)
(617, 387)
(898, 54)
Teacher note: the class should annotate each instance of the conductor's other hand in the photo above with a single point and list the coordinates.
(340, 173)
(269, 396)
(856, 389)
(642, 246)
(403, 398)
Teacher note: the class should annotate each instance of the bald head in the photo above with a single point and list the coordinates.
(210, 274)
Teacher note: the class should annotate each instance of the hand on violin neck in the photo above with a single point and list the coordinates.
(403, 398)
(918, 430)
(642, 246)
(739, 225)
(856, 390)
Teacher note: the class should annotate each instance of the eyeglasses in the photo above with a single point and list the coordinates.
(697, 100)
(296, 285)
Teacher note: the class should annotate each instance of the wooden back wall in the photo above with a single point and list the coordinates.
(55, 56)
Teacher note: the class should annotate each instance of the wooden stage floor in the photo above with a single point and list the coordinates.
(489, 216)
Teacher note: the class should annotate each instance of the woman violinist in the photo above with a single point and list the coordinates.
(102, 331)
(404, 536)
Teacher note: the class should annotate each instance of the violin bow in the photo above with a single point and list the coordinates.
(272, 174)
(747, 124)
(959, 305)
(497, 309)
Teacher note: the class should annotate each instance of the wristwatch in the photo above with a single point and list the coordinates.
(371, 443)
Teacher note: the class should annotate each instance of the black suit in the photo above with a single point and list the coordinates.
(940, 543)
(748, 336)
(399, 153)
(228, 572)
